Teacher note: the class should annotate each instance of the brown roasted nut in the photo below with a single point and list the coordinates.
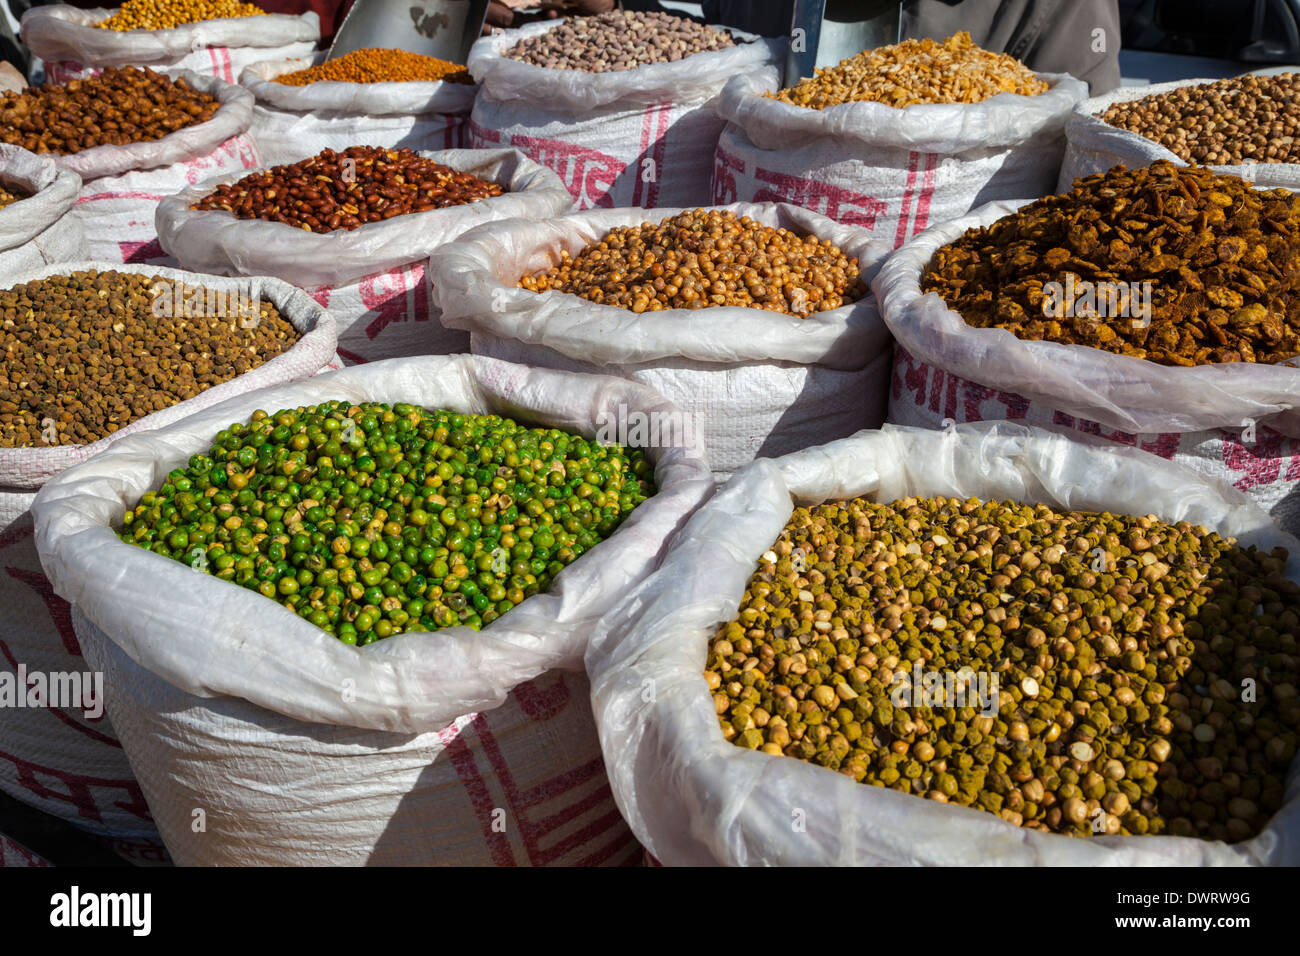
(1176, 265)
(346, 190)
(618, 40)
(916, 71)
(1243, 119)
(116, 107)
(12, 194)
(707, 257)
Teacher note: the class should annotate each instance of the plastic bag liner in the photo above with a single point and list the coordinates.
(216, 241)
(1092, 146)
(992, 125)
(1117, 391)
(63, 32)
(474, 281)
(697, 77)
(211, 638)
(366, 99)
(31, 467)
(231, 118)
(693, 798)
(41, 228)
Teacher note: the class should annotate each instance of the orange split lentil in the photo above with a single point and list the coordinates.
(375, 65)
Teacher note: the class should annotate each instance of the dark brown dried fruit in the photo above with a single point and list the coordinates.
(1222, 261)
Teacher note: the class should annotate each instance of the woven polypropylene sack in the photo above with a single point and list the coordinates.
(72, 47)
(55, 758)
(1092, 146)
(373, 278)
(16, 856)
(40, 229)
(122, 185)
(693, 798)
(890, 171)
(1238, 422)
(301, 749)
(754, 382)
(293, 122)
(642, 137)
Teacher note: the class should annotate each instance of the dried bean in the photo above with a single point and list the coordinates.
(619, 40)
(167, 14)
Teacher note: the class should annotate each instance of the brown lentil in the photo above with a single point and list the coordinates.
(167, 14)
(349, 189)
(117, 107)
(1223, 261)
(618, 40)
(916, 71)
(1243, 119)
(88, 351)
(855, 594)
(378, 66)
(701, 258)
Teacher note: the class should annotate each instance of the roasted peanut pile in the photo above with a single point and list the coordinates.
(88, 353)
(703, 258)
(916, 71)
(1080, 673)
(167, 14)
(345, 190)
(12, 194)
(1243, 119)
(378, 66)
(118, 107)
(619, 40)
(1221, 259)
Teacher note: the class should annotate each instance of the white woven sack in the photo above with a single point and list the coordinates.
(642, 137)
(40, 229)
(1238, 422)
(1092, 146)
(755, 382)
(693, 798)
(54, 759)
(293, 122)
(16, 856)
(122, 185)
(72, 47)
(888, 170)
(371, 278)
(305, 750)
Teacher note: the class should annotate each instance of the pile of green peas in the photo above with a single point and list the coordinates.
(369, 520)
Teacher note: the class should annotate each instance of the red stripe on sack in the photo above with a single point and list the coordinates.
(95, 197)
(927, 192)
(541, 705)
(79, 789)
(562, 783)
(618, 845)
(905, 210)
(60, 610)
(352, 357)
(581, 838)
(462, 759)
(654, 129)
(18, 531)
(60, 714)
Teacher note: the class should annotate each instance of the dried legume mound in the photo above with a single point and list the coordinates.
(701, 258)
(619, 40)
(116, 107)
(168, 14)
(90, 352)
(1222, 260)
(1080, 673)
(1243, 119)
(369, 520)
(916, 71)
(374, 65)
(349, 189)
(12, 194)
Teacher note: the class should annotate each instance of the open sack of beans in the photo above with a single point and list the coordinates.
(370, 97)
(133, 136)
(97, 356)
(1158, 308)
(975, 646)
(754, 319)
(450, 534)
(896, 138)
(210, 37)
(37, 226)
(621, 105)
(343, 233)
(1246, 126)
